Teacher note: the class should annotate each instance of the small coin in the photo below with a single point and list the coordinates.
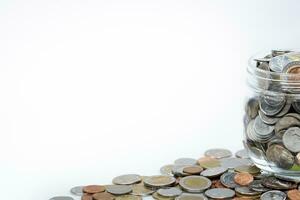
(141, 190)
(274, 183)
(251, 169)
(128, 197)
(280, 156)
(257, 185)
(159, 181)
(193, 170)
(86, 197)
(78, 190)
(127, 179)
(185, 161)
(274, 195)
(243, 153)
(169, 192)
(118, 189)
(208, 162)
(61, 198)
(189, 196)
(246, 191)
(243, 178)
(293, 194)
(194, 184)
(213, 172)
(92, 189)
(103, 196)
(291, 139)
(231, 163)
(166, 169)
(220, 193)
(227, 179)
(218, 153)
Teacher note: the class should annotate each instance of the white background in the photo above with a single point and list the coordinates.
(93, 89)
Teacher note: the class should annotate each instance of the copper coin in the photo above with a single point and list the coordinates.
(193, 170)
(103, 196)
(243, 178)
(294, 194)
(87, 197)
(217, 184)
(92, 189)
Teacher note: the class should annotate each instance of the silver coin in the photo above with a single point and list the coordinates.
(279, 52)
(262, 60)
(266, 119)
(227, 179)
(246, 191)
(285, 109)
(159, 181)
(220, 193)
(231, 163)
(169, 192)
(252, 107)
(295, 115)
(285, 123)
(291, 139)
(261, 128)
(213, 172)
(218, 153)
(295, 179)
(61, 198)
(277, 63)
(254, 151)
(257, 185)
(269, 106)
(274, 195)
(264, 66)
(194, 184)
(189, 196)
(141, 190)
(166, 169)
(185, 161)
(277, 184)
(296, 106)
(177, 170)
(77, 190)
(280, 156)
(127, 179)
(118, 189)
(243, 153)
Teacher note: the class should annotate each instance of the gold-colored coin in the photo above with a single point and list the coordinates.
(209, 162)
(128, 197)
(159, 181)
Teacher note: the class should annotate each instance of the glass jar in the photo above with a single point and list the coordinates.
(272, 112)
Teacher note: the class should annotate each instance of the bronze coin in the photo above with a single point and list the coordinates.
(103, 196)
(243, 178)
(193, 170)
(294, 194)
(87, 197)
(217, 184)
(92, 189)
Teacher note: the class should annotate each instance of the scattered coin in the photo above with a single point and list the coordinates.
(231, 163)
(92, 189)
(246, 191)
(243, 178)
(208, 162)
(185, 161)
(193, 170)
(194, 184)
(127, 179)
(218, 153)
(159, 181)
(216, 184)
(251, 169)
(213, 172)
(257, 185)
(227, 179)
(273, 194)
(166, 169)
(189, 196)
(243, 153)
(141, 190)
(61, 198)
(86, 197)
(128, 197)
(78, 190)
(118, 189)
(169, 192)
(293, 194)
(103, 196)
(220, 193)
(155, 195)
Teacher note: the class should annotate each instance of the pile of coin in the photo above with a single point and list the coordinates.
(272, 119)
(216, 175)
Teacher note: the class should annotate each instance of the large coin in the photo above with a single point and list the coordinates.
(159, 181)
(185, 161)
(188, 196)
(141, 190)
(277, 184)
(218, 153)
(227, 179)
(78, 190)
(273, 195)
(194, 184)
(213, 172)
(291, 139)
(118, 189)
(169, 192)
(220, 193)
(61, 198)
(127, 179)
(280, 156)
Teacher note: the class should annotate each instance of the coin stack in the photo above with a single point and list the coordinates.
(272, 119)
(216, 175)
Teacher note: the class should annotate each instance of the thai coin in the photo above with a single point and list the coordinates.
(78, 190)
(208, 162)
(285, 123)
(92, 189)
(128, 197)
(243, 178)
(291, 139)
(220, 193)
(216, 183)
(61, 198)
(169, 192)
(155, 195)
(185, 161)
(118, 189)
(177, 170)
(188, 196)
(277, 184)
(246, 191)
(227, 179)
(159, 181)
(261, 128)
(266, 119)
(194, 184)
(251, 169)
(271, 107)
(295, 115)
(127, 179)
(252, 107)
(193, 170)
(103, 196)
(243, 153)
(280, 156)
(257, 185)
(231, 163)
(274, 195)
(218, 153)
(293, 194)
(141, 190)
(166, 169)
(86, 197)
(213, 172)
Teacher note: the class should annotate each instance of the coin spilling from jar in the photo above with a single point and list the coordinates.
(216, 175)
